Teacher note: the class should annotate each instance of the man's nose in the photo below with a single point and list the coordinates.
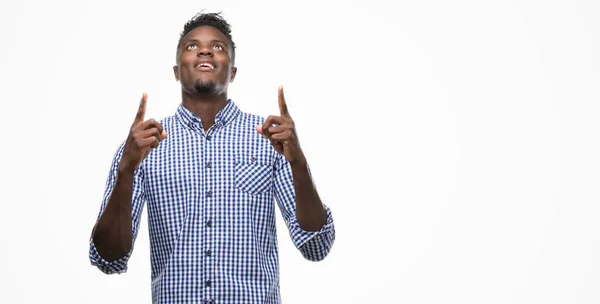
(204, 51)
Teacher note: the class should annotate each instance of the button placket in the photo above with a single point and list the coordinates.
(207, 206)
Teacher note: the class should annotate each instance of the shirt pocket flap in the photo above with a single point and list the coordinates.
(253, 173)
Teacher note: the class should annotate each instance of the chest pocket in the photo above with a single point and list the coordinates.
(254, 173)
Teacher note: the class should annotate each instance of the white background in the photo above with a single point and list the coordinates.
(456, 142)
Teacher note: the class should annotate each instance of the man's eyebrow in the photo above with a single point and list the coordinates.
(188, 41)
(196, 40)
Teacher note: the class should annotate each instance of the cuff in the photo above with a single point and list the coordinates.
(117, 266)
(300, 237)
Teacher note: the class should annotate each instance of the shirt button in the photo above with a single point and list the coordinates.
(208, 252)
(207, 283)
(208, 165)
(209, 223)
(207, 137)
(208, 194)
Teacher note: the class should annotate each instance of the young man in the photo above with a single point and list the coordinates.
(210, 175)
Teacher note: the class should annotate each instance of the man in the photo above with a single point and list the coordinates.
(210, 175)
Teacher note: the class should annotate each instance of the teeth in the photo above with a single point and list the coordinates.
(204, 64)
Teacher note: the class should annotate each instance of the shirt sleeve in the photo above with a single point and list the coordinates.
(138, 198)
(314, 245)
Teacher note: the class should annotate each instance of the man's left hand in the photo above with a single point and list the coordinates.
(280, 130)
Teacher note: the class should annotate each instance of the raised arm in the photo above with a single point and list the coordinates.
(309, 221)
(112, 236)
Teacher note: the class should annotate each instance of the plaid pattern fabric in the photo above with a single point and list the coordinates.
(211, 212)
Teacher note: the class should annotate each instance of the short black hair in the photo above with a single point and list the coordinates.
(211, 19)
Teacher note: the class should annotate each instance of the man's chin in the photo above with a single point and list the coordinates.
(205, 87)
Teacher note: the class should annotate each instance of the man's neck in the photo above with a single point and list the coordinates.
(205, 106)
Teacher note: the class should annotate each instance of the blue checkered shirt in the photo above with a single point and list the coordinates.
(211, 212)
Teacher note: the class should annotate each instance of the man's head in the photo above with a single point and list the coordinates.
(205, 55)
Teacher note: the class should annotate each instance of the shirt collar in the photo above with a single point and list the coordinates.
(224, 117)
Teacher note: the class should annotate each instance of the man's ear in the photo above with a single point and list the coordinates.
(233, 73)
(176, 72)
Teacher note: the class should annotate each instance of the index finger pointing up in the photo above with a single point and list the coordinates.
(283, 110)
(139, 117)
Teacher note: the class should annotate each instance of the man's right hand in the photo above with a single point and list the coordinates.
(143, 137)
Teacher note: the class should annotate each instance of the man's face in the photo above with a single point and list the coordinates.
(204, 64)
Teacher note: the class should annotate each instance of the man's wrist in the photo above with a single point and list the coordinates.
(299, 165)
(125, 169)
(299, 162)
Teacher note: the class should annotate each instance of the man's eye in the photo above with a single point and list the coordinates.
(191, 47)
(218, 47)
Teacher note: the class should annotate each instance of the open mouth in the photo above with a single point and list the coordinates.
(206, 66)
